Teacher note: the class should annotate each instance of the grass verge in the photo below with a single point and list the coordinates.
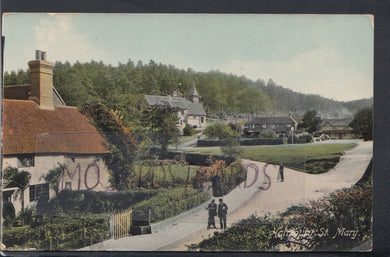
(313, 159)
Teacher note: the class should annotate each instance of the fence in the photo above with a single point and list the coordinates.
(120, 224)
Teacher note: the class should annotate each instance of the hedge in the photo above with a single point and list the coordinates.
(57, 233)
(168, 203)
(246, 141)
(200, 159)
(87, 202)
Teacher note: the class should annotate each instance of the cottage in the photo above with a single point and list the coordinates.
(41, 133)
(189, 110)
(281, 126)
(337, 128)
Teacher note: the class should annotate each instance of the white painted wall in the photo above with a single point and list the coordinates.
(83, 172)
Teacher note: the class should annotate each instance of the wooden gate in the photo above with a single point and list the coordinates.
(120, 224)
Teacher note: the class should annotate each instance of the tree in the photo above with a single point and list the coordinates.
(362, 123)
(122, 144)
(162, 126)
(53, 178)
(20, 179)
(310, 122)
(231, 147)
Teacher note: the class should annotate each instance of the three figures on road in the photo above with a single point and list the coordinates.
(221, 210)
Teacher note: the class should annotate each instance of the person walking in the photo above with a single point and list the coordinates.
(222, 212)
(212, 208)
(281, 172)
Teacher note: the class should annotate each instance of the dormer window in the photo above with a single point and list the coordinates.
(25, 160)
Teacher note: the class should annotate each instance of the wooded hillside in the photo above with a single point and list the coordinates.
(122, 88)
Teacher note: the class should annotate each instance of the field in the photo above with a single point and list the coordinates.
(309, 158)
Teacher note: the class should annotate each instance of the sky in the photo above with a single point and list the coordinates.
(328, 55)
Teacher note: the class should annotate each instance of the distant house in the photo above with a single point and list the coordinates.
(189, 110)
(41, 133)
(282, 126)
(337, 128)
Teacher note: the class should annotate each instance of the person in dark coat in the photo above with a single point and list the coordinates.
(222, 212)
(281, 172)
(212, 208)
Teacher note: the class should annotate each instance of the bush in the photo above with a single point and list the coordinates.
(231, 147)
(87, 202)
(302, 139)
(8, 213)
(188, 130)
(57, 233)
(235, 127)
(347, 208)
(218, 130)
(268, 135)
(168, 203)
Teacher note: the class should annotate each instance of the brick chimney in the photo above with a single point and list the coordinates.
(41, 75)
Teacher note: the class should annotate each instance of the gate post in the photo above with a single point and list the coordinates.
(112, 227)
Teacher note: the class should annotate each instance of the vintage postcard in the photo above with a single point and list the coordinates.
(187, 132)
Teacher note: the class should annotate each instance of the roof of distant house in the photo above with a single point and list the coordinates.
(272, 120)
(180, 103)
(335, 122)
(22, 92)
(27, 129)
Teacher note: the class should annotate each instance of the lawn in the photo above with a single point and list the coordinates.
(179, 173)
(309, 158)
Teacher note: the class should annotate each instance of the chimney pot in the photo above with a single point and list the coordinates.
(37, 54)
(43, 55)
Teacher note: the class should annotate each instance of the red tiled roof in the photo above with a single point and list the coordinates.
(21, 92)
(29, 129)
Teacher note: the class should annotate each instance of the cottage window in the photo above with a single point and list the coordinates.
(39, 191)
(288, 125)
(202, 119)
(68, 185)
(25, 160)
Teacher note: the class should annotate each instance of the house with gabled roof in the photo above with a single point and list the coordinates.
(281, 126)
(189, 110)
(41, 133)
(337, 128)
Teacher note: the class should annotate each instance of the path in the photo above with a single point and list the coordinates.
(297, 188)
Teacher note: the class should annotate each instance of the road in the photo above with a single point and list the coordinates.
(298, 188)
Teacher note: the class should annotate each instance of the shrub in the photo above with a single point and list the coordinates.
(231, 147)
(268, 135)
(188, 130)
(235, 127)
(57, 233)
(219, 130)
(168, 203)
(347, 208)
(86, 202)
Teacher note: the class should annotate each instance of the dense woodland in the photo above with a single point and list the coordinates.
(122, 89)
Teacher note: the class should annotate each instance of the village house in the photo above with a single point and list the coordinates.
(337, 128)
(41, 133)
(281, 126)
(189, 110)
